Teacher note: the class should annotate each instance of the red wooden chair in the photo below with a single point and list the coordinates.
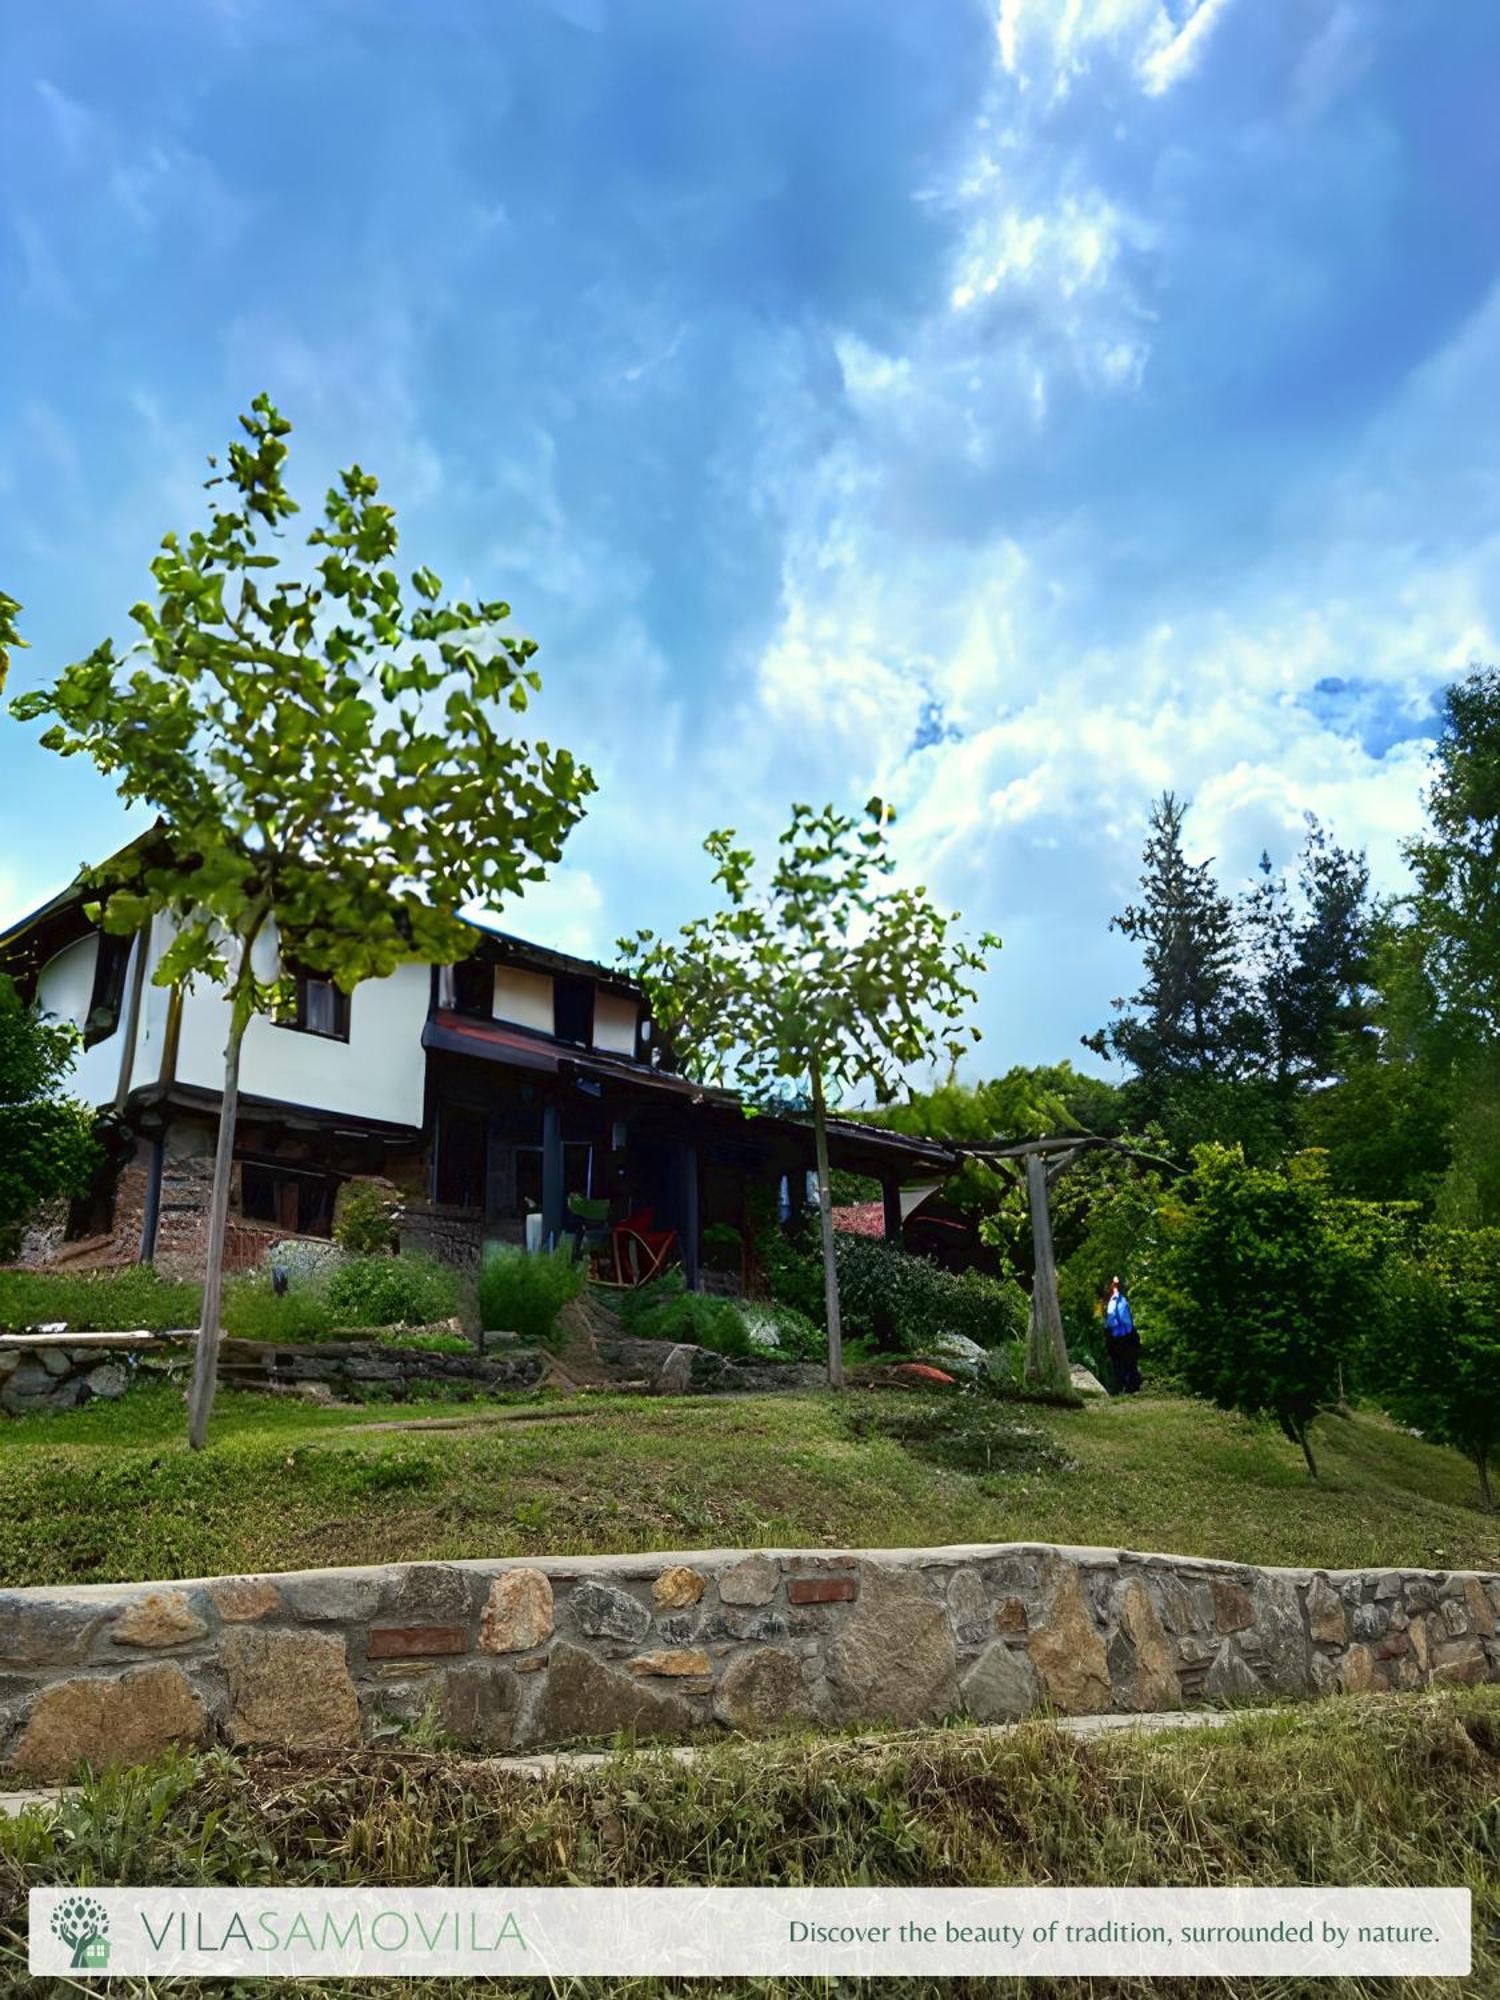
(641, 1252)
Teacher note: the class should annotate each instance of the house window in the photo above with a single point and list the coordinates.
(286, 1198)
(108, 991)
(573, 1009)
(319, 1007)
(474, 989)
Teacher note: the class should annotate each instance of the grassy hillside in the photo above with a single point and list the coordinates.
(1403, 1790)
(111, 1493)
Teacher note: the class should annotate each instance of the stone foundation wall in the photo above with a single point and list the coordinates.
(509, 1655)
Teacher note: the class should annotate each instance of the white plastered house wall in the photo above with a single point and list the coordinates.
(378, 1073)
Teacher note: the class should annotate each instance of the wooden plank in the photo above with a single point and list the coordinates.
(416, 1642)
(1046, 1348)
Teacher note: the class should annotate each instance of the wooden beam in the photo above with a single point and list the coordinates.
(890, 1194)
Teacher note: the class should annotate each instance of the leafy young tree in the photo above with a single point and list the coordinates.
(818, 975)
(1456, 862)
(10, 634)
(47, 1146)
(331, 783)
(1435, 1357)
(1264, 1278)
(1180, 1024)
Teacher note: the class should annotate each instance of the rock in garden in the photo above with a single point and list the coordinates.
(1085, 1381)
(585, 1697)
(1144, 1673)
(676, 1375)
(478, 1705)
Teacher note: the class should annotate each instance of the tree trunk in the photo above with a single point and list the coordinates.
(1482, 1461)
(825, 1216)
(1046, 1348)
(1312, 1463)
(206, 1359)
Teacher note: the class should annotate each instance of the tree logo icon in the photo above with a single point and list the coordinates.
(82, 1922)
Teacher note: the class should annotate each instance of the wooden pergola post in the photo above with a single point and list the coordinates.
(1046, 1348)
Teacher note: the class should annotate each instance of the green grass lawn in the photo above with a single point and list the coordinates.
(1402, 1790)
(110, 1493)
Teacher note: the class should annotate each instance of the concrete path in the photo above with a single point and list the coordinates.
(552, 1763)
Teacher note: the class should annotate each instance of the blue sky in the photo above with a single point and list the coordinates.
(1010, 407)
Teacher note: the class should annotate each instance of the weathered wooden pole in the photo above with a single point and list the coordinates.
(1046, 1349)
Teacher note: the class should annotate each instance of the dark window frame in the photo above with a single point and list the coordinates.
(296, 1018)
(107, 994)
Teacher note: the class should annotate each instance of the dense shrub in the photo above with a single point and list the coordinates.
(1267, 1278)
(523, 1291)
(797, 1338)
(98, 1301)
(789, 1261)
(666, 1310)
(391, 1291)
(903, 1304)
(364, 1218)
(253, 1311)
(1432, 1347)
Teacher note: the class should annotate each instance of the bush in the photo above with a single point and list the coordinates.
(364, 1217)
(97, 1301)
(696, 1319)
(903, 1304)
(1433, 1350)
(424, 1343)
(391, 1291)
(1267, 1277)
(798, 1339)
(253, 1311)
(523, 1291)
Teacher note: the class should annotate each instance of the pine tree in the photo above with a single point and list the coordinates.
(1182, 1023)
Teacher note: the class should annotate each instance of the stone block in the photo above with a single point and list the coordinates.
(1459, 1663)
(478, 1705)
(894, 1659)
(1231, 1678)
(672, 1662)
(47, 1632)
(753, 1580)
(1001, 1686)
(1233, 1610)
(332, 1599)
(240, 1600)
(1142, 1669)
(519, 1613)
(765, 1689)
(1481, 1615)
(289, 1688)
(1357, 1673)
(604, 1611)
(1326, 1618)
(427, 1594)
(968, 1607)
(1369, 1621)
(584, 1697)
(1066, 1651)
(160, 1618)
(678, 1587)
(100, 1721)
(1010, 1616)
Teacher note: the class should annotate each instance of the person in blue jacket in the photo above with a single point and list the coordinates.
(1122, 1341)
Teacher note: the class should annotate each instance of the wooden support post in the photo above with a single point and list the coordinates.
(689, 1231)
(553, 1197)
(890, 1192)
(1046, 1349)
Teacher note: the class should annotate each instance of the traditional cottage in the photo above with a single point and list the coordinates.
(492, 1092)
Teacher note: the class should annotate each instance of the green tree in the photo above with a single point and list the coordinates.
(1181, 1023)
(46, 1140)
(1455, 919)
(1435, 1351)
(321, 751)
(10, 635)
(1264, 1279)
(820, 975)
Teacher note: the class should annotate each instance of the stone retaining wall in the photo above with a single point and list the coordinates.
(507, 1655)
